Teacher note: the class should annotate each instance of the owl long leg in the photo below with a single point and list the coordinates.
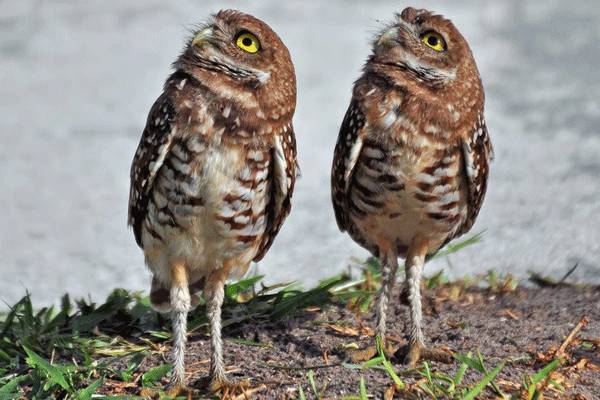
(415, 261)
(214, 292)
(389, 261)
(180, 306)
(414, 268)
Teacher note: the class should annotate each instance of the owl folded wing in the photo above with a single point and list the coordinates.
(282, 177)
(154, 146)
(477, 154)
(347, 152)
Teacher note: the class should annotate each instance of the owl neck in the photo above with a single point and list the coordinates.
(235, 109)
(389, 97)
(409, 77)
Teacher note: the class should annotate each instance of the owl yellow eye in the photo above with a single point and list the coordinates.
(434, 40)
(248, 42)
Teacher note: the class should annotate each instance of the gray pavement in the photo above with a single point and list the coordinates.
(77, 79)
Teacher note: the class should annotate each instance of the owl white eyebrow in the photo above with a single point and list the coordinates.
(262, 76)
(436, 74)
(224, 64)
(426, 71)
(244, 72)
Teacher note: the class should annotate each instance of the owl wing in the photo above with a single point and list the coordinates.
(477, 154)
(282, 177)
(154, 146)
(347, 151)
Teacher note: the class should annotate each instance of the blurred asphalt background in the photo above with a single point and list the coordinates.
(77, 79)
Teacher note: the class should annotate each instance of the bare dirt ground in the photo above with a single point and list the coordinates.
(526, 328)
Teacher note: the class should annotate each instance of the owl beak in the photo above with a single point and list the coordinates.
(204, 36)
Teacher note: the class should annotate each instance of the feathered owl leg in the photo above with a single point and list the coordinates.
(180, 306)
(214, 292)
(415, 261)
(414, 268)
(389, 262)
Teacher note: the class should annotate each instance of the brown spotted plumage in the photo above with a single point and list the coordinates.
(213, 176)
(411, 162)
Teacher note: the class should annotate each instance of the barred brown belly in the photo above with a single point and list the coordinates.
(394, 196)
(208, 206)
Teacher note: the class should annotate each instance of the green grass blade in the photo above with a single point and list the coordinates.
(234, 289)
(301, 393)
(532, 382)
(427, 372)
(7, 324)
(363, 389)
(372, 363)
(456, 246)
(155, 374)
(86, 394)
(4, 355)
(495, 387)
(424, 387)
(7, 391)
(471, 362)
(313, 385)
(390, 370)
(544, 372)
(314, 297)
(488, 378)
(388, 365)
(55, 374)
(460, 373)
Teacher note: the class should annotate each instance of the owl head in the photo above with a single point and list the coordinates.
(423, 48)
(238, 51)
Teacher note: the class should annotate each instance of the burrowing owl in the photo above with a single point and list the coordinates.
(411, 162)
(213, 175)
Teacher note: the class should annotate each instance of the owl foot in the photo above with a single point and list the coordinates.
(227, 388)
(176, 388)
(418, 352)
(370, 352)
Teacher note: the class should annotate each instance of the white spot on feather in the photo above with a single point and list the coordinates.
(432, 129)
(351, 160)
(226, 111)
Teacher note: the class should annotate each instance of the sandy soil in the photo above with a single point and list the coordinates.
(523, 327)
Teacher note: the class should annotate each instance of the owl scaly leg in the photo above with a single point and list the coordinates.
(415, 261)
(389, 263)
(214, 291)
(180, 306)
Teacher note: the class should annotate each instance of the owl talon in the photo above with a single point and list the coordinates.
(227, 388)
(370, 352)
(418, 353)
(178, 389)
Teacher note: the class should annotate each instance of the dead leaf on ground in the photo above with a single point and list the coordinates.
(351, 331)
(512, 314)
